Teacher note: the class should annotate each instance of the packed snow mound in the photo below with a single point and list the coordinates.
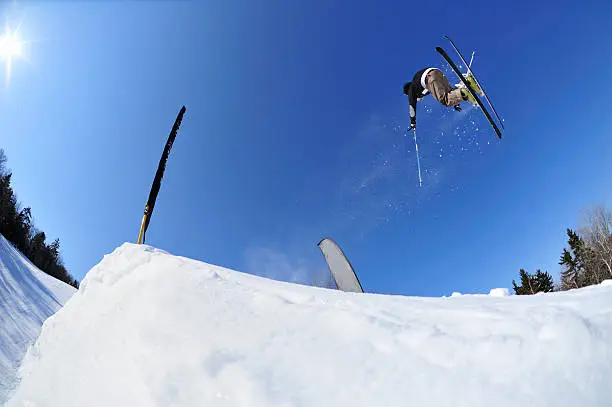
(151, 329)
(27, 297)
(499, 292)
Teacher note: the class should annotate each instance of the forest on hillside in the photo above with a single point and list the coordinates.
(17, 226)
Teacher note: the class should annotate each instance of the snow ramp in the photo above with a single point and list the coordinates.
(148, 328)
(27, 298)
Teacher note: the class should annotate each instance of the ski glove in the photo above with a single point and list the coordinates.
(457, 108)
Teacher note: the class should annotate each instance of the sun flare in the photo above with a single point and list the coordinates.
(11, 47)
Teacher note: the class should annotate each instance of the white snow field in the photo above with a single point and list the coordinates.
(27, 297)
(148, 328)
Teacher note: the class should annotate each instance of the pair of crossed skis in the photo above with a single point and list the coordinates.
(470, 89)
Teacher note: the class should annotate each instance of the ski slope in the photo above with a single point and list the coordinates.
(27, 298)
(150, 329)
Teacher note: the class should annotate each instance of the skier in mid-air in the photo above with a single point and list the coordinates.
(432, 80)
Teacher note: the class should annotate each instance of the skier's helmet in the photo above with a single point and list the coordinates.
(407, 87)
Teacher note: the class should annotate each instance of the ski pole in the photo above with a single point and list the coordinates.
(417, 154)
(469, 67)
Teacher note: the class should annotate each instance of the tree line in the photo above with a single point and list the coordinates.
(587, 259)
(16, 226)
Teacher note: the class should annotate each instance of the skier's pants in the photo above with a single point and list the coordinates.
(439, 87)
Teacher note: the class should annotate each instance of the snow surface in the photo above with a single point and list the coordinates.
(151, 329)
(27, 297)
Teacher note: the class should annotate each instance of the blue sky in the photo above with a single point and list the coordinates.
(294, 131)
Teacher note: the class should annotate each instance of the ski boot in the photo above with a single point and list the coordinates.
(473, 84)
(467, 96)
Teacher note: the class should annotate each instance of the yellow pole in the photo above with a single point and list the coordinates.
(142, 226)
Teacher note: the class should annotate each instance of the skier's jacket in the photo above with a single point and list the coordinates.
(417, 90)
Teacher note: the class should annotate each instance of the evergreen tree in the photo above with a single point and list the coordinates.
(532, 284)
(573, 262)
(24, 228)
(526, 286)
(544, 282)
(38, 249)
(8, 206)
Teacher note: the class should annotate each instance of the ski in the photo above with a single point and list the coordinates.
(469, 88)
(469, 68)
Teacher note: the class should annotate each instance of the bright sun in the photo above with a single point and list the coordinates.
(11, 46)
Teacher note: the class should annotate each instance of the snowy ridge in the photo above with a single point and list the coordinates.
(151, 329)
(27, 298)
